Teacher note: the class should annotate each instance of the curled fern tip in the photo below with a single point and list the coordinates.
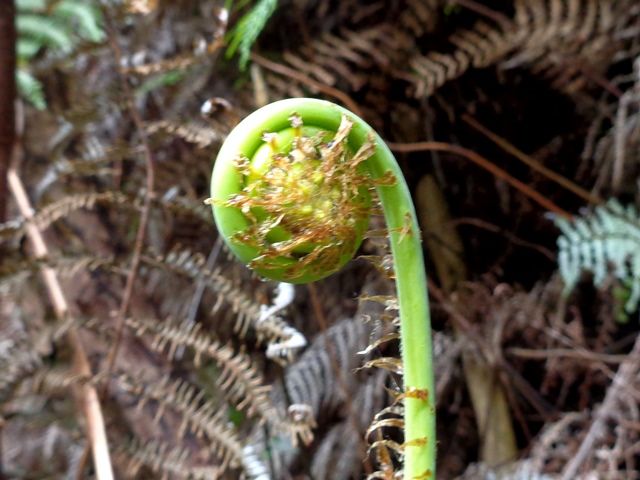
(298, 202)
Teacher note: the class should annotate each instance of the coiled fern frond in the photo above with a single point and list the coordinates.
(607, 239)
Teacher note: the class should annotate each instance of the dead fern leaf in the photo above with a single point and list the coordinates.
(164, 460)
(198, 414)
(239, 381)
(282, 339)
(550, 36)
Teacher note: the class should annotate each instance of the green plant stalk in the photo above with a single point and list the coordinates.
(411, 283)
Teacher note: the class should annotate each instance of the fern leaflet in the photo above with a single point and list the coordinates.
(609, 236)
(247, 30)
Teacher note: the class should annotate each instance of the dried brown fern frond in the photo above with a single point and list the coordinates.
(75, 168)
(18, 360)
(323, 380)
(181, 206)
(616, 151)
(347, 58)
(421, 16)
(480, 47)
(239, 380)
(386, 451)
(198, 415)
(10, 229)
(91, 159)
(192, 266)
(606, 436)
(191, 132)
(164, 460)
(566, 40)
(339, 454)
(281, 338)
(313, 379)
(59, 209)
(198, 47)
(177, 63)
(13, 273)
(571, 42)
(58, 380)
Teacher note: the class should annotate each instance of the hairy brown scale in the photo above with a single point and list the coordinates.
(308, 194)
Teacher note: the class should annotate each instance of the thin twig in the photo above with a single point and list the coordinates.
(2, 477)
(487, 165)
(86, 395)
(149, 193)
(201, 284)
(532, 163)
(476, 222)
(82, 463)
(566, 353)
(485, 11)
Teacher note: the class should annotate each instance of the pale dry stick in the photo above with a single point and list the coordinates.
(621, 380)
(86, 395)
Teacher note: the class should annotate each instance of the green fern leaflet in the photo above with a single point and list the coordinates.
(605, 240)
(248, 28)
(58, 26)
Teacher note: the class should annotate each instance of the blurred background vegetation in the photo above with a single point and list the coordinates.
(517, 125)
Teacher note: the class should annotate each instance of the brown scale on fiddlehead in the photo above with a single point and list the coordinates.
(309, 205)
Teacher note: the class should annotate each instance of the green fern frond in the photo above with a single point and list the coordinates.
(23, 5)
(30, 89)
(165, 79)
(606, 239)
(247, 30)
(27, 47)
(58, 26)
(47, 31)
(85, 15)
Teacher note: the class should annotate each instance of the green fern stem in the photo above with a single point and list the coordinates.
(267, 239)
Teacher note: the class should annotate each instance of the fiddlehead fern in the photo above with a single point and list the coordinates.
(290, 194)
